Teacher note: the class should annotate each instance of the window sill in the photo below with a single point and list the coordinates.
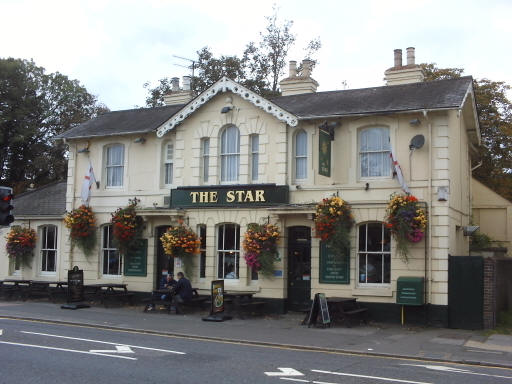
(384, 291)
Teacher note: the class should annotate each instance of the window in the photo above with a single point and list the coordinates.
(202, 249)
(205, 159)
(112, 261)
(374, 152)
(115, 165)
(374, 254)
(228, 251)
(255, 158)
(168, 163)
(230, 154)
(301, 155)
(48, 248)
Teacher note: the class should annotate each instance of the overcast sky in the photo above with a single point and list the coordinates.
(114, 47)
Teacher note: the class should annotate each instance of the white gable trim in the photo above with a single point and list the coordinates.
(224, 85)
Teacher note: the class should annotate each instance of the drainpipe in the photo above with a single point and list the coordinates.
(428, 258)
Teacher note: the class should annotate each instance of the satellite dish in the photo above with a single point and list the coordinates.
(417, 142)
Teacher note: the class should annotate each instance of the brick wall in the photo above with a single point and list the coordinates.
(489, 293)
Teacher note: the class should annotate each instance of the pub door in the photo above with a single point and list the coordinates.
(163, 262)
(299, 268)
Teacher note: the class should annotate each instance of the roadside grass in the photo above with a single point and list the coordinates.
(503, 324)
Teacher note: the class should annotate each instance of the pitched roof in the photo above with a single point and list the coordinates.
(49, 200)
(140, 120)
(440, 94)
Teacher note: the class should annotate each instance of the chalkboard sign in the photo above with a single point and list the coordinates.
(217, 296)
(319, 307)
(136, 261)
(334, 268)
(75, 285)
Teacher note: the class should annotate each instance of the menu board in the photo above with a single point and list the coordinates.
(217, 296)
(75, 285)
(334, 268)
(136, 261)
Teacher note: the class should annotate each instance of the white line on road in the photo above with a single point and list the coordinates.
(285, 372)
(456, 370)
(119, 349)
(297, 380)
(103, 342)
(1, 332)
(370, 377)
(67, 350)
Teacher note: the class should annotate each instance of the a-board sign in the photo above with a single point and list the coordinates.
(319, 308)
(334, 268)
(217, 296)
(136, 261)
(75, 285)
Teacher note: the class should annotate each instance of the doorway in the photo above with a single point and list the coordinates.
(299, 268)
(163, 261)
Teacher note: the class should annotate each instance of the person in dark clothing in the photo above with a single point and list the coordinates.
(167, 282)
(183, 289)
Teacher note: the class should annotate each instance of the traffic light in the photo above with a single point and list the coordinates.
(6, 207)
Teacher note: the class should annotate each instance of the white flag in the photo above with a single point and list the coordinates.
(398, 171)
(89, 179)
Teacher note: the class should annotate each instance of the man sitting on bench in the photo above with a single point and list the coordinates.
(182, 290)
(167, 282)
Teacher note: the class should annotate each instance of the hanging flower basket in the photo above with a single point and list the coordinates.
(82, 226)
(180, 241)
(407, 222)
(333, 222)
(20, 244)
(127, 226)
(260, 246)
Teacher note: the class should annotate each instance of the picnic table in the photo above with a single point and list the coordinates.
(243, 301)
(45, 288)
(106, 292)
(9, 287)
(167, 302)
(343, 309)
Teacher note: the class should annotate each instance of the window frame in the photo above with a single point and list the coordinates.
(225, 156)
(114, 166)
(297, 157)
(254, 147)
(166, 162)
(202, 231)
(222, 251)
(385, 152)
(43, 235)
(205, 159)
(385, 235)
(110, 248)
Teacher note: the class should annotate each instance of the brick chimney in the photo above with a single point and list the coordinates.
(295, 83)
(177, 95)
(404, 74)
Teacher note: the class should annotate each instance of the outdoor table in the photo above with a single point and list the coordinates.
(45, 287)
(14, 286)
(342, 308)
(105, 291)
(242, 300)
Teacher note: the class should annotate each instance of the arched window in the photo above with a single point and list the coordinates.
(374, 254)
(48, 237)
(230, 154)
(374, 152)
(301, 155)
(168, 158)
(112, 261)
(228, 251)
(114, 165)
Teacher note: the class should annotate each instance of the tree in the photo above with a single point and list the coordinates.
(495, 115)
(34, 107)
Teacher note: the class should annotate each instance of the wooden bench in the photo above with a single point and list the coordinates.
(346, 309)
(125, 297)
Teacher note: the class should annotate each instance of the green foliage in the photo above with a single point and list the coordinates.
(34, 107)
(495, 115)
(480, 241)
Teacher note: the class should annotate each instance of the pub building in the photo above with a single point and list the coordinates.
(228, 157)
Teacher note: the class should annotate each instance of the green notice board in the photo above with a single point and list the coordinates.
(334, 269)
(136, 262)
(324, 153)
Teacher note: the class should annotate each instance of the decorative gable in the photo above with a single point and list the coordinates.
(226, 85)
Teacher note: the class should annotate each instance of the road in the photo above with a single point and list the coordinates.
(36, 352)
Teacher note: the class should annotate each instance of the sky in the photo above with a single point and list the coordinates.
(114, 47)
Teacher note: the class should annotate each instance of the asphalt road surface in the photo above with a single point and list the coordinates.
(36, 352)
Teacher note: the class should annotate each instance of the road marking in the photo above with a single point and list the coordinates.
(1, 332)
(297, 380)
(103, 342)
(66, 350)
(370, 377)
(285, 372)
(119, 349)
(456, 370)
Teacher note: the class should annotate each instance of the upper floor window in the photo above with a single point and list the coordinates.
(374, 152)
(228, 251)
(205, 159)
(168, 163)
(301, 155)
(374, 254)
(255, 156)
(49, 248)
(115, 165)
(230, 154)
(112, 261)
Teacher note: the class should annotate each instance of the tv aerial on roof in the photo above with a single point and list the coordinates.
(192, 66)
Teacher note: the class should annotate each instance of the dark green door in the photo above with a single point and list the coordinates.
(163, 262)
(299, 268)
(465, 292)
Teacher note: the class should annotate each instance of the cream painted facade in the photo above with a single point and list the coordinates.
(443, 162)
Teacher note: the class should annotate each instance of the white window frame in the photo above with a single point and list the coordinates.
(109, 167)
(168, 163)
(302, 157)
(205, 159)
(221, 252)
(382, 151)
(43, 230)
(107, 230)
(385, 235)
(225, 156)
(254, 140)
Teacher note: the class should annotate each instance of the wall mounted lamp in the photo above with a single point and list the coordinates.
(84, 150)
(140, 140)
(415, 122)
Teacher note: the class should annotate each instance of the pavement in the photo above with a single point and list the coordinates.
(376, 339)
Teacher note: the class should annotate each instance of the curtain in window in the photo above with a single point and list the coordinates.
(301, 158)
(115, 159)
(374, 152)
(230, 154)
